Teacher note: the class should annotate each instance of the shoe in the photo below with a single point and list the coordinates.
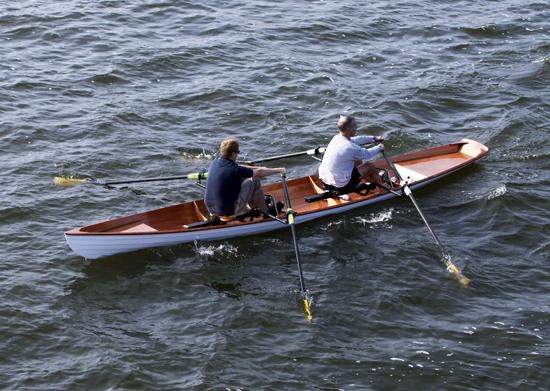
(385, 179)
(383, 174)
(271, 207)
(272, 210)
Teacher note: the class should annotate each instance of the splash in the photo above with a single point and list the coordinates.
(195, 154)
(222, 249)
(454, 270)
(501, 190)
(332, 224)
(381, 217)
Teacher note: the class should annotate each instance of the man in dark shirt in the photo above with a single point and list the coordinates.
(232, 189)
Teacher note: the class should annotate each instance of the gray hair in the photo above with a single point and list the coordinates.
(345, 121)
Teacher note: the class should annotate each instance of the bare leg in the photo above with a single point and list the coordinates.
(251, 196)
(369, 173)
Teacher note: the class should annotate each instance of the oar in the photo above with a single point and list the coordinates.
(70, 181)
(446, 256)
(290, 217)
(310, 152)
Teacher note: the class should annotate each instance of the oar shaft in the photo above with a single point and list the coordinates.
(311, 152)
(170, 178)
(291, 216)
(392, 166)
(413, 200)
(409, 193)
(297, 252)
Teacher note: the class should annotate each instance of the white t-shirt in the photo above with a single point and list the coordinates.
(340, 156)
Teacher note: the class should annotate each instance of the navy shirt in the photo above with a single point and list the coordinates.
(223, 186)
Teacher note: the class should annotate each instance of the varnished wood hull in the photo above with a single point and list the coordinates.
(165, 226)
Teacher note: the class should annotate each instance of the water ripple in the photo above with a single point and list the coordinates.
(114, 90)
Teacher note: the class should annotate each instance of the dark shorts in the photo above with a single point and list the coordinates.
(350, 186)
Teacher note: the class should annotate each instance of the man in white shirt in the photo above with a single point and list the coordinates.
(342, 167)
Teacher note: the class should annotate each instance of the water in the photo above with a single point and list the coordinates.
(117, 90)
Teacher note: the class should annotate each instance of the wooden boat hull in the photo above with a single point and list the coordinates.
(165, 226)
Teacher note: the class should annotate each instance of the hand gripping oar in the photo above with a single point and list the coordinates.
(290, 217)
(69, 181)
(451, 267)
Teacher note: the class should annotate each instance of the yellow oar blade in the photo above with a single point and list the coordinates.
(307, 309)
(451, 267)
(68, 181)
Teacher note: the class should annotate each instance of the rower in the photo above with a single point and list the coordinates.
(233, 189)
(342, 168)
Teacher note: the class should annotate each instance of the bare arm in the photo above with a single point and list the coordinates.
(261, 172)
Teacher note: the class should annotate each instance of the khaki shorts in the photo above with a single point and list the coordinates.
(249, 189)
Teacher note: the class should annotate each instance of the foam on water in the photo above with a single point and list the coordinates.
(375, 218)
(224, 249)
(499, 191)
(193, 154)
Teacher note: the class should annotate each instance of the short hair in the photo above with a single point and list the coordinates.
(228, 146)
(345, 121)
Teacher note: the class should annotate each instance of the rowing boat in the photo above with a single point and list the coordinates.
(177, 224)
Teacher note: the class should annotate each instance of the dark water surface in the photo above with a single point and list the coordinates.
(116, 89)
